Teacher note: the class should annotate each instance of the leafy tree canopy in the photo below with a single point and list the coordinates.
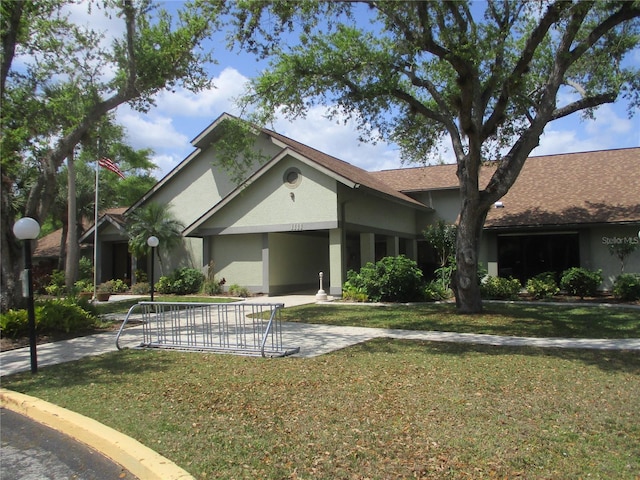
(487, 76)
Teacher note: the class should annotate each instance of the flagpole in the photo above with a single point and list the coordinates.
(95, 236)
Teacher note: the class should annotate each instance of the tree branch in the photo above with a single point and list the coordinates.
(583, 103)
(628, 11)
(510, 84)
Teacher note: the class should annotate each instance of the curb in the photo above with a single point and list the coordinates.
(140, 460)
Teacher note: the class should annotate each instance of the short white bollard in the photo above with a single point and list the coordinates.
(321, 295)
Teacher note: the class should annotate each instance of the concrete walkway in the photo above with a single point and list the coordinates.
(312, 339)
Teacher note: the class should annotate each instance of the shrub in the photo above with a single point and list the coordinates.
(212, 287)
(163, 285)
(141, 276)
(435, 291)
(238, 291)
(500, 288)
(52, 316)
(113, 286)
(14, 323)
(580, 281)
(353, 293)
(83, 286)
(391, 279)
(182, 281)
(542, 285)
(62, 316)
(85, 269)
(56, 285)
(140, 288)
(627, 287)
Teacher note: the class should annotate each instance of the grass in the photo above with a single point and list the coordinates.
(523, 319)
(382, 409)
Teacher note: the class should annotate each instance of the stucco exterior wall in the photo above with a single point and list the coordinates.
(268, 204)
(238, 259)
(376, 214)
(446, 203)
(200, 184)
(599, 240)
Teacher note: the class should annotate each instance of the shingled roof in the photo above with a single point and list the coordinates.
(344, 169)
(575, 188)
(565, 189)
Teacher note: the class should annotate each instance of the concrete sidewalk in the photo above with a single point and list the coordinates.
(312, 339)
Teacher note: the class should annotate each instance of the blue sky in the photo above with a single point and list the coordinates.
(181, 115)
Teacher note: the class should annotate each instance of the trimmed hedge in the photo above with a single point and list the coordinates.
(627, 287)
(500, 288)
(581, 282)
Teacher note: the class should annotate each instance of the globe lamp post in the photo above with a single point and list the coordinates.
(153, 242)
(27, 229)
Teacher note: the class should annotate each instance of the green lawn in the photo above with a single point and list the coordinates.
(523, 319)
(383, 409)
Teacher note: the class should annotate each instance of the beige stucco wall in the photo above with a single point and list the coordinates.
(238, 259)
(267, 204)
(199, 185)
(368, 212)
(599, 257)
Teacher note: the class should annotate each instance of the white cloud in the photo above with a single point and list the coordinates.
(165, 164)
(151, 131)
(208, 103)
(609, 129)
(336, 138)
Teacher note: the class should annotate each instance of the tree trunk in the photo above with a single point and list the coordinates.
(467, 288)
(10, 257)
(72, 256)
(473, 212)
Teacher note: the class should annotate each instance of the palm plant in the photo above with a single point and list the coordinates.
(157, 220)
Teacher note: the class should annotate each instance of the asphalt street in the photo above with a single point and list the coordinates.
(32, 451)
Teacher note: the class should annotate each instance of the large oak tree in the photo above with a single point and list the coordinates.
(67, 78)
(487, 76)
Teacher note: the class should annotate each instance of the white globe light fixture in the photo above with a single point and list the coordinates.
(153, 242)
(27, 229)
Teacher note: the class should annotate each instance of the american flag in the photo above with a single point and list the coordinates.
(109, 164)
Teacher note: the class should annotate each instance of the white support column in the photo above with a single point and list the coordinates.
(336, 261)
(367, 248)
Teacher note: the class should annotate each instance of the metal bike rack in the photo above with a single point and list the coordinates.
(239, 328)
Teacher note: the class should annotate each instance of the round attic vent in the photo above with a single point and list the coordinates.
(292, 177)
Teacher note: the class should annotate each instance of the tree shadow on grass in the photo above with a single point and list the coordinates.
(607, 360)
